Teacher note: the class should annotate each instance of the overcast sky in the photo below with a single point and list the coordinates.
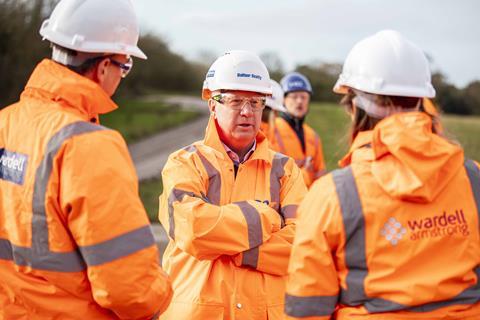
(305, 31)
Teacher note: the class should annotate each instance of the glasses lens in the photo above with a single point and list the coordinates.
(237, 103)
(124, 67)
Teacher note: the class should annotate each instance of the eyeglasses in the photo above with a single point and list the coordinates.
(125, 68)
(237, 103)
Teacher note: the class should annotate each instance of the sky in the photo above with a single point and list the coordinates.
(313, 31)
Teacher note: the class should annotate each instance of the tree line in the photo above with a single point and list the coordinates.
(21, 49)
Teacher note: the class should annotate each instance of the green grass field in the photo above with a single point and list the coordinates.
(331, 122)
(138, 119)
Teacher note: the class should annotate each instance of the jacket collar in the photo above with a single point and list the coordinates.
(361, 149)
(212, 140)
(58, 83)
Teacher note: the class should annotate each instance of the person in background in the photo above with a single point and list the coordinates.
(394, 234)
(292, 136)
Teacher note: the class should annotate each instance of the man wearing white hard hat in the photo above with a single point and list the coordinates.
(229, 204)
(75, 240)
(394, 234)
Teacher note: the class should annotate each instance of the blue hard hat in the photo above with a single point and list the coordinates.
(295, 81)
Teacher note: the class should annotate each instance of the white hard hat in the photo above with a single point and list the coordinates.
(276, 100)
(95, 26)
(237, 70)
(387, 64)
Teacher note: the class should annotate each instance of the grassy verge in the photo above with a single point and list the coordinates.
(149, 192)
(465, 130)
(138, 119)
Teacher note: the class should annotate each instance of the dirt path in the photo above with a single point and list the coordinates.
(150, 154)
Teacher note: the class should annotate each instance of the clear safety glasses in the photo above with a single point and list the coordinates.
(124, 67)
(237, 103)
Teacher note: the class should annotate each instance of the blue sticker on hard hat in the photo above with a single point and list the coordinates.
(297, 84)
(248, 75)
(13, 166)
(210, 73)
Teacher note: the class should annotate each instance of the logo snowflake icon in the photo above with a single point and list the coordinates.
(393, 231)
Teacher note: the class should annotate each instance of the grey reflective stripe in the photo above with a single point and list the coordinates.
(214, 177)
(290, 211)
(51, 261)
(42, 257)
(42, 178)
(354, 224)
(276, 173)
(278, 137)
(255, 233)
(473, 174)
(118, 247)
(6, 252)
(250, 257)
(312, 306)
(175, 195)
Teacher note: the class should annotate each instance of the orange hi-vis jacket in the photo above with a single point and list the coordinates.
(394, 234)
(286, 141)
(75, 241)
(230, 237)
(267, 130)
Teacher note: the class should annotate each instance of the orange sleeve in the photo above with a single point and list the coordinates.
(312, 286)
(98, 192)
(273, 255)
(206, 230)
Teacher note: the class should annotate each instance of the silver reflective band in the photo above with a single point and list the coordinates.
(290, 211)
(118, 247)
(276, 173)
(255, 233)
(214, 178)
(473, 174)
(312, 306)
(175, 195)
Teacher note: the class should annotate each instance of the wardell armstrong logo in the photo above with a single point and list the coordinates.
(439, 226)
(442, 225)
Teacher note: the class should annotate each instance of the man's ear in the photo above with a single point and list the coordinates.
(211, 106)
(101, 70)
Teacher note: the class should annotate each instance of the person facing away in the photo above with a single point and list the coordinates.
(394, 234)
(292, 136)
(75, 241)
(229, 204)
(273, 106)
